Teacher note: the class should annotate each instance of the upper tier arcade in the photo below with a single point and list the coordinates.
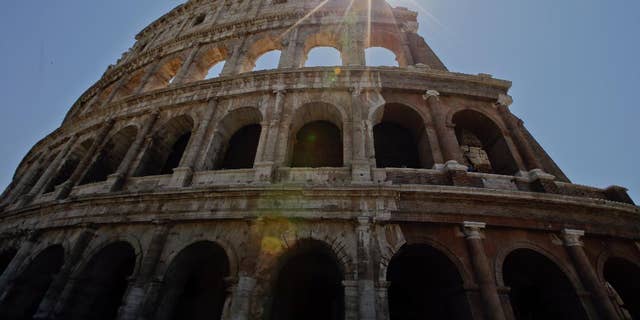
(186, 108)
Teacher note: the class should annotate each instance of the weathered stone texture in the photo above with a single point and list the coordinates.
(337, 192)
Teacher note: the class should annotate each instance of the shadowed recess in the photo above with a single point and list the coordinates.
(539, 289)
(98, 292)
(425, 284)
(308, 285)
(194, 285)
(24, 296)
(624, 278)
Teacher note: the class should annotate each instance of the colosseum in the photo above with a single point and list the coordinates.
(304, 192)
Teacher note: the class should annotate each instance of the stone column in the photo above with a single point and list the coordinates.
(482, 270)
(232, 64)
(117, 180)
(136, 294)
(360, 166)
(79, 172)
(290, 57)
(446, 135)
(116, 88)
(10, 274)
(366, 286)
(515, 127)
(239, 305)
(350, 299)
(588, 276)
(25, 180)
(61, 280)
(52, 169)
(382, 307)
(151, 71)
(266, 161)
(182, 175)
(186, 66)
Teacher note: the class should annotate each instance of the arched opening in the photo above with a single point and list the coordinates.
(130, 86)
(308, 284)
(425, 284)
(482, 144)
(216, 70)
(167, 148)
(235, 142)
(98, 291)
(23, 299)
(164, 75)
(70, 164)
(194, 286)
(5, 259)
(316, 136)
(386, 48)
(242, 147)
(539, 289)
(268, 61)
(323, 57)
(318, 144)
(39, 170)
(400, 138)
(207, 65)
(381, 57)
(111, 156)
(624, 278)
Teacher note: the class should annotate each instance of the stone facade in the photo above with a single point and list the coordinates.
(338, 192)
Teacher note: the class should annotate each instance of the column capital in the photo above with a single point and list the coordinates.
(431, 94)
(473, 230)
(571, 237)
(504, 100)
(279, 91)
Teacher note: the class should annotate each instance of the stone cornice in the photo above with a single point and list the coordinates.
(515, 207)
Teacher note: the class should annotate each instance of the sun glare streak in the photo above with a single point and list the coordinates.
(306, 16)
(369, 17)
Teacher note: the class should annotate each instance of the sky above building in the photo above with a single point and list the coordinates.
(574, 66)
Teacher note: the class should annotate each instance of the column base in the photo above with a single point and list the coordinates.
(264, 172)
(181, 177)
(361, 172)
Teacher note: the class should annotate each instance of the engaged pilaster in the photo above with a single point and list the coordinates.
(473, 232)
(575, 248)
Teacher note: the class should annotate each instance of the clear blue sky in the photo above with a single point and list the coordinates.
(574, 64)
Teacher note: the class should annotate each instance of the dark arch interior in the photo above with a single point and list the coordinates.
(30, 287)
(624, 277)
(482, 144)
(539, 289)
(98, 291)
(309, 285)
(425, 284)
(195, 284)
(400, 139)
(69, 165)
(242, 147)
(5, 259)
(111, 156)
(318, 144)
(167, 149)
(174, 157)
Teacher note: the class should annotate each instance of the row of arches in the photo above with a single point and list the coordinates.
(211, 63)
(317, 138)
(309, 283)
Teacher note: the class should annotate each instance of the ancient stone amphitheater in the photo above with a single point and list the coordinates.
(304, 192)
